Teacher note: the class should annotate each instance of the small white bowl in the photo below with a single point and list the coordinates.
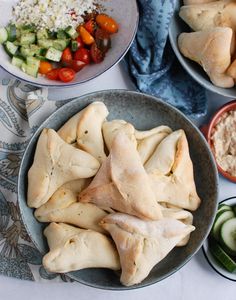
(124, 12)
(210, 258)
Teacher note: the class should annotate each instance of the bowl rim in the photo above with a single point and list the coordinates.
(205, 252)
(211, 157)
(72, 84)
(213, 121)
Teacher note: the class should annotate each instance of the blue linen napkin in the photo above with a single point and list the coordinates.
(152, 63)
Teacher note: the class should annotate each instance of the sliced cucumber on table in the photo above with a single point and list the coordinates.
(46, 44)
(71, 32)
(224, 207)
(228, 236)
(221, 217)
(60, 44)
(222, 256)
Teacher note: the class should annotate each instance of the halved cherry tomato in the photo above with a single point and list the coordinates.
(66, 74)
(45, 67)
(86, 37)
(107, 23)
(77, 65)
(66, 55)
(83, 55)
(90, 26)
(103, 40)
(96, 54)
(53, 74)
(79, 42)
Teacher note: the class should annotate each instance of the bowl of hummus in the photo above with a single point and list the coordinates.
(221, 136)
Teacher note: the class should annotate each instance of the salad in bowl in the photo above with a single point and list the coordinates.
(55, 40)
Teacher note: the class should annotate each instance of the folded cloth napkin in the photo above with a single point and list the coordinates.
(152, 63)
(22, 109)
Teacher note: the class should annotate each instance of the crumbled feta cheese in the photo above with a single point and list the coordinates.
(52, 14)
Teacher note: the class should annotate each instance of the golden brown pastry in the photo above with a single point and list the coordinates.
(63, 207)
(55, 163)
(172, 178)
(212, 50)
(179, 214)
(122, 183)
(143, 244)
(148, 141)
(89, 130)
(111, 128)
(210, 15)
(73, 249)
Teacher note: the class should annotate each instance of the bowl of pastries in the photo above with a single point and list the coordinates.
(117, 189)
(202, 35)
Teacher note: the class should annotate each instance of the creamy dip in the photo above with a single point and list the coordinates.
(224, 141)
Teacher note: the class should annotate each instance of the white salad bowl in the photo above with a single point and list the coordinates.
(126, 15)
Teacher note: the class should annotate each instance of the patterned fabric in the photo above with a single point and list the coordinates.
(152, 64)
(20, 105)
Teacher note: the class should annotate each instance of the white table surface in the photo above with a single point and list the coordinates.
(196, 280)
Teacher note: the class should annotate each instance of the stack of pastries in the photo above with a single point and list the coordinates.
(212, 44)
(115, 197)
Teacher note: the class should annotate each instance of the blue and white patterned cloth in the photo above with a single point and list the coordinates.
(22, 109)
(152, 63)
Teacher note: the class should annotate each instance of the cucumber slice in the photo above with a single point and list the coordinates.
(234, 209)
(31, 70)
(53, 54)
(10, 48)
(11, 31)
(3, 35)
(40, 57)
(27, 38)
(74, 46)
(228, 236)
(221, 217)
(60, 44)
(226, 261)
(32, 61)
(42, 34)
(224, 207)
(16, 61)
(46, 44)
(61, 35)
(27, 29)
(71, 32)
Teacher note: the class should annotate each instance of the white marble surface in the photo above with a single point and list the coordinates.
(196, 280)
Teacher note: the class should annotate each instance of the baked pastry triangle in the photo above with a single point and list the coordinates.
(89, 130)
(149, 140)
(212, 50)
(111, 128)
(63, 207)
(142, 244)
(122, 183)
(205, 16)
(73, 249)
(55, 163)
(179, 214)
(172, 179)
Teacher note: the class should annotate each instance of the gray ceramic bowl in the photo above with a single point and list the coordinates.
(178, 26)
(123, 11)
(144, 112)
